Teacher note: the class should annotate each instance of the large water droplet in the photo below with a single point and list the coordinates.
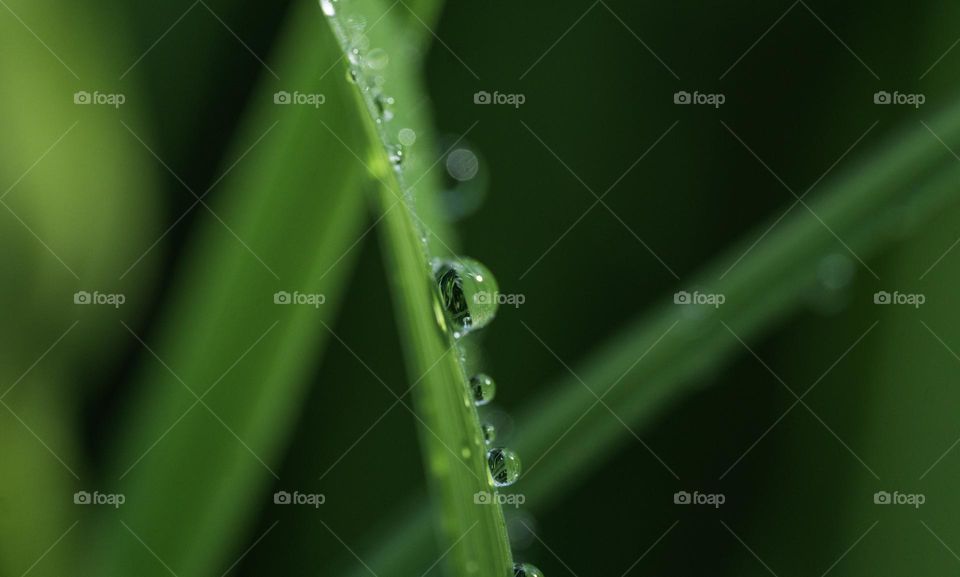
(526, 570)
(329, 7)
(504, 466)
(484, 389)
(468, 293)
(489, 433)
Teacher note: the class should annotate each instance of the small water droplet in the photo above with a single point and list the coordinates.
(377, 59)
(384, 106)
(526, 570)
(467, 293)
(504, 467)
(407, 136)
(484, 389)
(352, 75)
(462, 164)
(489, 433)
(396, 154)
(465, 452)
(329, 7)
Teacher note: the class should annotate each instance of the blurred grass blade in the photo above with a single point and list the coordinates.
(669, 353)
(188, 459)
(474, 536)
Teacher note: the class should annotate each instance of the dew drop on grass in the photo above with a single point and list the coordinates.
(467, 294)
(484, 389)
(377, 59)
(396, 154)
(329, 7)
(504, 466)
(526, 570)
(384, 106)
(489, 433)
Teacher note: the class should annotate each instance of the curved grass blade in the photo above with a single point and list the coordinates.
(221, 382)
(475, 537)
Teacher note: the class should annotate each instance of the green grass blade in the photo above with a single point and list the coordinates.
(185, 469)
(666, 354)
(454, 450)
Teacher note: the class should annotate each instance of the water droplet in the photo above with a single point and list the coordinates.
(377, 59)
(489, 433)
(395, 152)
(384, 106)
(468, 294)
(465, 452)
(484, 389)
(352, 75)
(407, 136)
(526, 570)
(504, 466)
(329, 7)
(462, 164)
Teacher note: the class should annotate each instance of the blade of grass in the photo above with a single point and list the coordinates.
(665, 354)
(185, 465)
(474, 536)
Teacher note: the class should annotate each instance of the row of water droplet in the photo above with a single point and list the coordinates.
(467, 290)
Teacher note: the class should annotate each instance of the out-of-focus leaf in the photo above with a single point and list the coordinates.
(222, 377)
